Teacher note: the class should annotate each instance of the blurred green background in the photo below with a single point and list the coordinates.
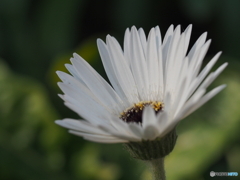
(38, 37)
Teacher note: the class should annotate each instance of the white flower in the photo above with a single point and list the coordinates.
(155, 84)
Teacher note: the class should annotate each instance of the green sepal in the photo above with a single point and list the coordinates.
(155, 149)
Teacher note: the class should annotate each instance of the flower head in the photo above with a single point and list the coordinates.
(155, 83)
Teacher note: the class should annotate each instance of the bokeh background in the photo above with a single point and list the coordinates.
(37, 37)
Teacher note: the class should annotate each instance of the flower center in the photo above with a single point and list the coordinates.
(134, 113)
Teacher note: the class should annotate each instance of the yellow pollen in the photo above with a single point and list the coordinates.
(157, 105)
(139, 105)
(134, 113)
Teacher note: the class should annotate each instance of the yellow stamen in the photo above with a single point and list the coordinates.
(134, 113)
(157, 105)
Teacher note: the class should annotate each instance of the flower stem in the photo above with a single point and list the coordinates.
(157, 166)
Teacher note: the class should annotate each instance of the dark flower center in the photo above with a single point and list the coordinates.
(134, 114)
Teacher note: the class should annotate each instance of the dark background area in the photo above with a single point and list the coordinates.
(38, 37)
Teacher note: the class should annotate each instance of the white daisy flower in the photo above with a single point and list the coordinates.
(155, 83)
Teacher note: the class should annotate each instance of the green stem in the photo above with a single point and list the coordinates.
(157, 166)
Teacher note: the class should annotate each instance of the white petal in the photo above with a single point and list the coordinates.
(198, 44)
(136, 129)
(120, 134)
(104, 140)
(169, 79)
(149, 123)
(165, 124)
(158, 36)
(175, 73)
(93, 116)
(196, 62)
(150, 133)
(71, 69)
(95, 82)
(209, 66)
(98, 138)
(180, 98)
(148, 117)
(80, 125)
(203, 100)
(76, 84)
(122, 70)
(138, 64)
(187, 38)
(122, 127)
(201, 56)
(143, 40)
(108, 66)
(173, 47)
(167, 40)
(126, 46)
(165, 50)
(207, 82)
(168, 102)
(190, 103)
(205, 72)
(84, 104)
(152, 64)
(77, 93)
(161, 65)
(213, 76)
